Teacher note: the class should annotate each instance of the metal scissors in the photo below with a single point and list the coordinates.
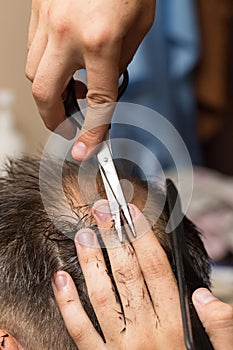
(116, 199)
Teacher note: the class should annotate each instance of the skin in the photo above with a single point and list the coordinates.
(8, 342)
(64, 36)
(144, 262)
(133, 266)
(216, 317)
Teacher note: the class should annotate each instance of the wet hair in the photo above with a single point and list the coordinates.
(33, 247)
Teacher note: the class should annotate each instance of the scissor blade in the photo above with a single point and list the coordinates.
(109, 175)
(128, 219)
(114, 206)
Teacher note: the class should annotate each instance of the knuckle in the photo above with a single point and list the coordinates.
(94, 43)
(94, 133)
(40, 93)
(95, 98)
(94, 136)
(156, 268)
(78, 335)
(99, 297)
(61, 27)
(59, 22)
(99, 96)
(97, 37)
(127, 275)
(28, 73)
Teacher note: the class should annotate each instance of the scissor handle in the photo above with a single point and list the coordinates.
(124, 84)
(71, 104)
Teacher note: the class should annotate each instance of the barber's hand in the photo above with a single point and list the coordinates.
(64, 36)
(217, 318)
(151, 317)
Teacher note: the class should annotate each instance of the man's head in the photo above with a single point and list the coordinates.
(33, 247)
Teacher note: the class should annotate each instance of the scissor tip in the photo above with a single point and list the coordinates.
(133, 231)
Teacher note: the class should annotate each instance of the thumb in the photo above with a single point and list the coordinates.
(102, 77)
(216, 317)
(96, 124)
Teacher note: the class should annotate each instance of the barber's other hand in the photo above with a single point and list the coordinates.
(216, 317)
(64, 36)
(150, 316)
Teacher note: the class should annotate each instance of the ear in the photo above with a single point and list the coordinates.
(8, 342)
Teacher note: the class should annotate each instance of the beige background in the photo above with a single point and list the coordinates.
(14, 20)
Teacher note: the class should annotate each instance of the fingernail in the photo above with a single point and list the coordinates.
(85, 237)
(204, 296)
(79, 150)
(101, 210)
(60, 280)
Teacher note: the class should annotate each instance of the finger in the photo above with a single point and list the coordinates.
(37, 48)
(155, 267)
(217, 318)
(7, 341)
(77, 322)
(48, 87)
(33, 23)
(102, 77)
(126, 272)
(160, 281)
(99, 285)
(135, 34)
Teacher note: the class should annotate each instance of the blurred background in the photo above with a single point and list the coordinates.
(15, 90)
(184, 71)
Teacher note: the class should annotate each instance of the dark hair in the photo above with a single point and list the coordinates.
(33, 248)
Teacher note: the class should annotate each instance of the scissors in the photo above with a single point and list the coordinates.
(116, 199)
